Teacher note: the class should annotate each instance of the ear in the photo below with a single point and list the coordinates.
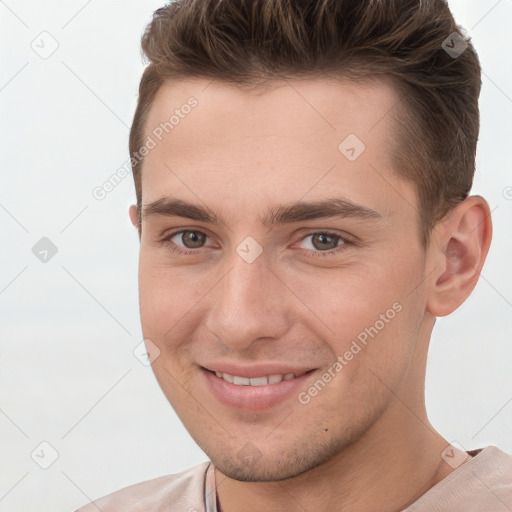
(458, 248)
(134, 217)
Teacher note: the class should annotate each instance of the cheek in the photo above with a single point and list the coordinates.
(166, 296)
(346, 301)
(366, 314)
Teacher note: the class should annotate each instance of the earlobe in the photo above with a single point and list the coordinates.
(462, 246)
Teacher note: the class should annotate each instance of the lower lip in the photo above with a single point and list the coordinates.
(253, 398)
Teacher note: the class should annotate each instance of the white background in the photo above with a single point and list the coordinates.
(68, 327)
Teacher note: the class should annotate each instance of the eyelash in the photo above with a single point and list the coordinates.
(177, 249)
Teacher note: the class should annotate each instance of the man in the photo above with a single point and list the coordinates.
(302, 172)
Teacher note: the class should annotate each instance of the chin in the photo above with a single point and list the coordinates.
(249, 466)
(244, 473)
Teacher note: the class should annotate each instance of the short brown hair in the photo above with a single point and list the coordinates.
(249, 41)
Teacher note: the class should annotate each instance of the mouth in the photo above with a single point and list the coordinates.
(261, 390)
(264, 380)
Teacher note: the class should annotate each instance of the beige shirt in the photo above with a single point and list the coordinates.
(482, 484)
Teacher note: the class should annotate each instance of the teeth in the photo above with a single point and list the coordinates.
(259, 381)
(242, 381)
(227, 377)
(255, 381)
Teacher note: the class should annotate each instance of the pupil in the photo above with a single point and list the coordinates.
(325, 239)
(193, 238)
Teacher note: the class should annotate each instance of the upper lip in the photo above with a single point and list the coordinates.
(256, 370)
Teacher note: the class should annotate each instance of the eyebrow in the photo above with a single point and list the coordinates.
(280, 214)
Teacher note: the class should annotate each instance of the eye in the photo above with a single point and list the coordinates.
(191, 240)
(324, 243)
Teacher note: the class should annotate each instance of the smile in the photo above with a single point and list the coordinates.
(259, 390)
(256, 381)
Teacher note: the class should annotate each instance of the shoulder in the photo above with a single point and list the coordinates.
(179, 491)
(482, 483)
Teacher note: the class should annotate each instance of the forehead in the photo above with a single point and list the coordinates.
(327, 105)
(294, 137)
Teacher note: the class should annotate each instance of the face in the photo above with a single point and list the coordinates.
(280, 269)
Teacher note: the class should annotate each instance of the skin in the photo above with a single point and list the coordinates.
(364, 442)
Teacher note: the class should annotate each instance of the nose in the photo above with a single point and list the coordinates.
(249, 303)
